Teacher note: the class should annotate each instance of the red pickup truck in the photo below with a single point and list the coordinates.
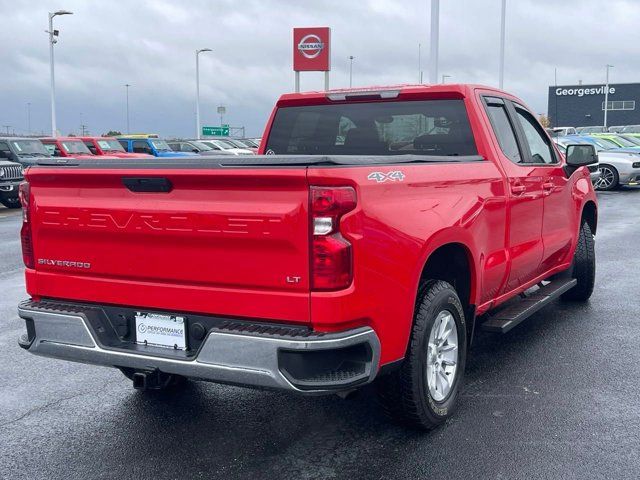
(109, 146)
(377, 231)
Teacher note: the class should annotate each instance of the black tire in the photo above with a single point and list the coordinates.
(404, 393)
(171, 382)
(615, 181)
(584, 266)
(11, 202)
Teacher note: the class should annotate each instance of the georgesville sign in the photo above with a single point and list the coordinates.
(311, 47)
(580, 92)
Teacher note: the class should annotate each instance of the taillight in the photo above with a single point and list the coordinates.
(25, 232)
(331, 256)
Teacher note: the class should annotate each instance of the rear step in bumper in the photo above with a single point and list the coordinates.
(323, 363)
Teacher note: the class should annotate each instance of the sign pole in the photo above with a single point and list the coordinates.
(606, 97)
(297, 81)
(433, 56)
(326, 80)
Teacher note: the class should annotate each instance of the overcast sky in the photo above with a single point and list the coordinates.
(150, 44)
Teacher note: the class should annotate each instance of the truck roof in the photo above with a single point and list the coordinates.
(61, 139)
(385, 92)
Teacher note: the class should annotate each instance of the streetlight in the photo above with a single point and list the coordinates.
(126, 86)
(502, 36)
(351, 57)
(606, 97)
(198, 52)
(52, 41)
(444, 77)
(433, 55)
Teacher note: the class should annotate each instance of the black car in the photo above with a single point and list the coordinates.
(26, 151)
(10, 178)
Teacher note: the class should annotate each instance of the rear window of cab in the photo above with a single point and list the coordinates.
(421, 127)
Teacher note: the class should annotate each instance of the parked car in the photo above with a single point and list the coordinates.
(195, 146)
(151, 146)
(319, 273)
(71, 147)
(241, 144)
(564, 131)
(631, 138)
(618, 140)
(109, 146)
(25, 151)
(602, 143)
(11, 176)
(594, 129)
(617, 168)
(616, 128)
(630, 129)
(225, 145)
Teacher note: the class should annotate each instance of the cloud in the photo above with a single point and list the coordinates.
(151, 45)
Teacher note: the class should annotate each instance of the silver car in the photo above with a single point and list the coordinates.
(618, 167)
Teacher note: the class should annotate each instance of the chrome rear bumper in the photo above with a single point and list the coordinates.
(234, 357)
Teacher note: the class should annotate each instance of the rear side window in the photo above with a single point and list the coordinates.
(140, 146)
(504, 132)
(425, 127)
(124, 144)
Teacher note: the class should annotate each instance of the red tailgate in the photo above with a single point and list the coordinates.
(222, 241)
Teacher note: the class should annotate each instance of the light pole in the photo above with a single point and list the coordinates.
(502, 36)
(126, 86)
(444, 77)
(198, 52)
(606, 97)
(433, 55)
(52, 41)
(28, 118)
(351, 57)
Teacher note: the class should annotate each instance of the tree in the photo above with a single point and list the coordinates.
(544, 121)
(112, 133)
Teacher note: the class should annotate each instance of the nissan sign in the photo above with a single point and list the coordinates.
(581, 92)
(311, 49)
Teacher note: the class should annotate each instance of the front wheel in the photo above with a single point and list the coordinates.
(422, 393)
(608, 180)
(584, 266)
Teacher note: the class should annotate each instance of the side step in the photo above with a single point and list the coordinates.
(507, 318)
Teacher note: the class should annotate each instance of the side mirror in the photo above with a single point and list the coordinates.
(580, 155)
(195, 150)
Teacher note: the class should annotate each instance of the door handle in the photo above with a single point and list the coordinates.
(548, 186)
(518, 189)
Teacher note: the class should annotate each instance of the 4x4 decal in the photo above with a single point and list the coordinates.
(380, 177)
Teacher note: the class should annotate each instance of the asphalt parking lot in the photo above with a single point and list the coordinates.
(558, 397)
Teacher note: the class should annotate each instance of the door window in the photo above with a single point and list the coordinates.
(539, 143)
(504, 132)
(140, 147)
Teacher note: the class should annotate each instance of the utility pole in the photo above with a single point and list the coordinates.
(126, 85)
(502, 37)
(7, 127)
(198, 52)
(435, 34)
(606, 97)
(351, 57)
(28, 118)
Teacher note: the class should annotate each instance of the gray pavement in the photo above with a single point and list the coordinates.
(557, 397)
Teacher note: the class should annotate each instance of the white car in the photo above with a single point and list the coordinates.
(224, 145)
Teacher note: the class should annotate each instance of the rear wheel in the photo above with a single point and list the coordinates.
(584, 266)
(423, 392)
(609, 178)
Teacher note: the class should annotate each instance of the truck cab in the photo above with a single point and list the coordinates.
(25, 151)
(109, 146)
(70, 147)
(150, 145)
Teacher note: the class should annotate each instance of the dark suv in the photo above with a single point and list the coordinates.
(26, 151)
(10, 179)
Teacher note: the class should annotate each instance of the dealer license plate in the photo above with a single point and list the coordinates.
(161, 330)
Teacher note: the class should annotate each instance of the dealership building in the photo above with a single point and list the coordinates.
(583, 105)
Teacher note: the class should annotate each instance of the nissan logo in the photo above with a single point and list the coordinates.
(310, 46)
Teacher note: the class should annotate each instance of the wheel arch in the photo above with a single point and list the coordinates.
(590, 215)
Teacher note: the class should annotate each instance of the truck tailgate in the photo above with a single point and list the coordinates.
(221, 241)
